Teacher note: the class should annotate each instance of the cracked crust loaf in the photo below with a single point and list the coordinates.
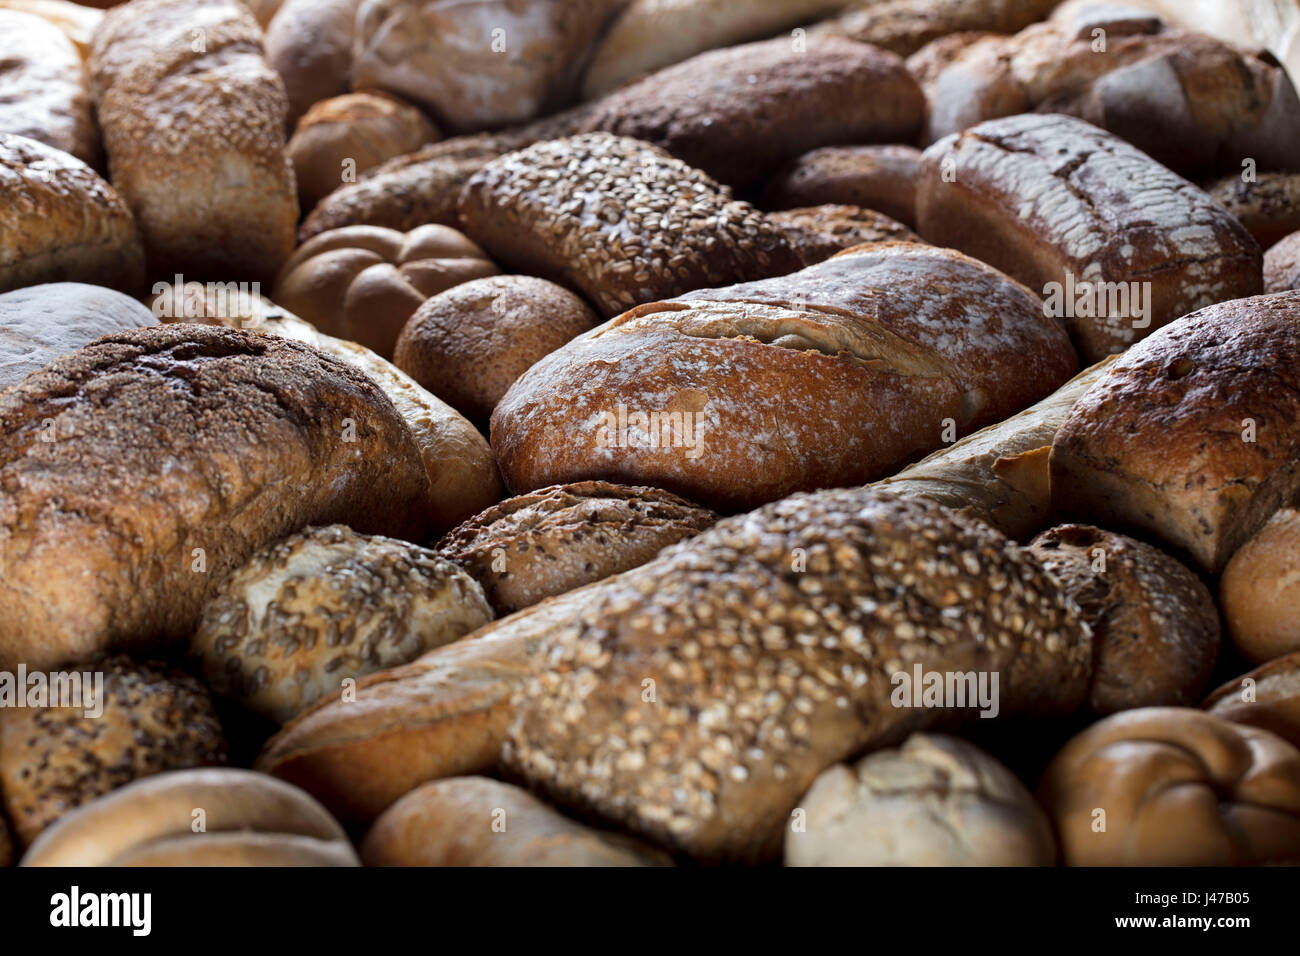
(1191, 435)
(195, 140)
(619, 221)
(836, 375)
(1054, 200)
(44, 90)
(556, 539)
(59, 221)
(819, 232)
(142, 469)
(882, 178)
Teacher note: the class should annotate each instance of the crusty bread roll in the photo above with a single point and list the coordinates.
(554, 540)
(905, 26)
(42, 322)
(60, 222)
(44, 90)
(1172, 786)
(1268, 204)
(54, 759)
(325, 606)
(474, 821)
(469, 344)
(1191, 435)
(1282, 265)
(651, 34)
(309, 44)
(1268, 698)
(999, 474)
(193, 123)
(836, 375)
(1155, 629)
(882, 178)
(363, 283)
(77, 21)
(1260, 590)
(741, 113)
(215, 817)
(819, 232)
(1064, 206)
(934, 801)
(340, 137)
(142, 469)
(619, 221)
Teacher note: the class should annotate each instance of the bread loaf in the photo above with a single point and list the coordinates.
(215, 817)
(882, 178)
(1268, 698)
(1268, 205)
(77, 21)
(131, 720)
(905, 26)
(819, 232)
(142, 469)
(999, 474)
(741, 113)
(60, 222)
(322, 607)
(44, 90)
(619, 221)
(836, 375)
(214, 193)
(1282, 265)
(40, 323)
(1258, 591)
(1190, 436)
(1117, 245)
(1171, 786)
(536, 546)
(934, 801)
(309, 44)
(1155, 629)
(474, 821)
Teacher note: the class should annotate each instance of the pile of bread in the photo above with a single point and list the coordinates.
(649, 432)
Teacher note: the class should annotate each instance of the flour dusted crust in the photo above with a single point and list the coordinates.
(1043, 196)
(44, 90)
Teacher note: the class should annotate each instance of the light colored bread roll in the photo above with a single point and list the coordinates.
(217, 817)
(193, 122)
(309, 44)
(1260, 590)
(1268, 698)
(44, 90)
(882, 178)
(77, 21)
(1282, 265)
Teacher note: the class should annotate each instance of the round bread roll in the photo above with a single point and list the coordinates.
(44, 91)
(1172, 786)
(1268, 204)
(1260, 590)
(1268, 698)
(340, 137)
(934, 801)
(475, 821)
(881, 178)
(363, 283)
(42, 322)
(60, 221)
(554, 540)
(214, 817)
(328, 605)
(819, 232)
(468, 345)
(1154, 624)
(56, 758)
(1282, 265)
(309, 43)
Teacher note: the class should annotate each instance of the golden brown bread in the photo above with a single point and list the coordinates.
(142, 469)
(60, 222)
(1282, 265)
(882, 178)
(212, 817)
(1258, 591)
(195, 137)
(1191, 435)
(44, 90)
(819, 232)
(905, 26)
(1268, 698)
(1267, 204)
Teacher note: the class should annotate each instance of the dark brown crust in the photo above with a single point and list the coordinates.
(1282, 265)
(172, 439)
(882, 178)
(309, 44)
(1268, 206)
(904, 26)
(1159, 443)
(556, 539)
(819, 232)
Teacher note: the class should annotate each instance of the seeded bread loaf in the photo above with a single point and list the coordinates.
(142, 469)
(60, 222)
(1282, 265)
(1268, 205)
(1088, 222)
(1268, 698)
(836, 375)
(1191, 435)
(619, 221)
(882, 178)
(44, 90)
(819, 232)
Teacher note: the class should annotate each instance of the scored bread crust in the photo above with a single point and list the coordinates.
(129, 461)
(195, 139)
(1163, 441)
(44, 90)
(59, 221)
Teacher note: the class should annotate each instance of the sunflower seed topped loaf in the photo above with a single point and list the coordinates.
(619, 221)
(1115, 243)
(556, 539)
(325, 605)
(143, 468)
(836, 375)
(59, 221)
(44, 90)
